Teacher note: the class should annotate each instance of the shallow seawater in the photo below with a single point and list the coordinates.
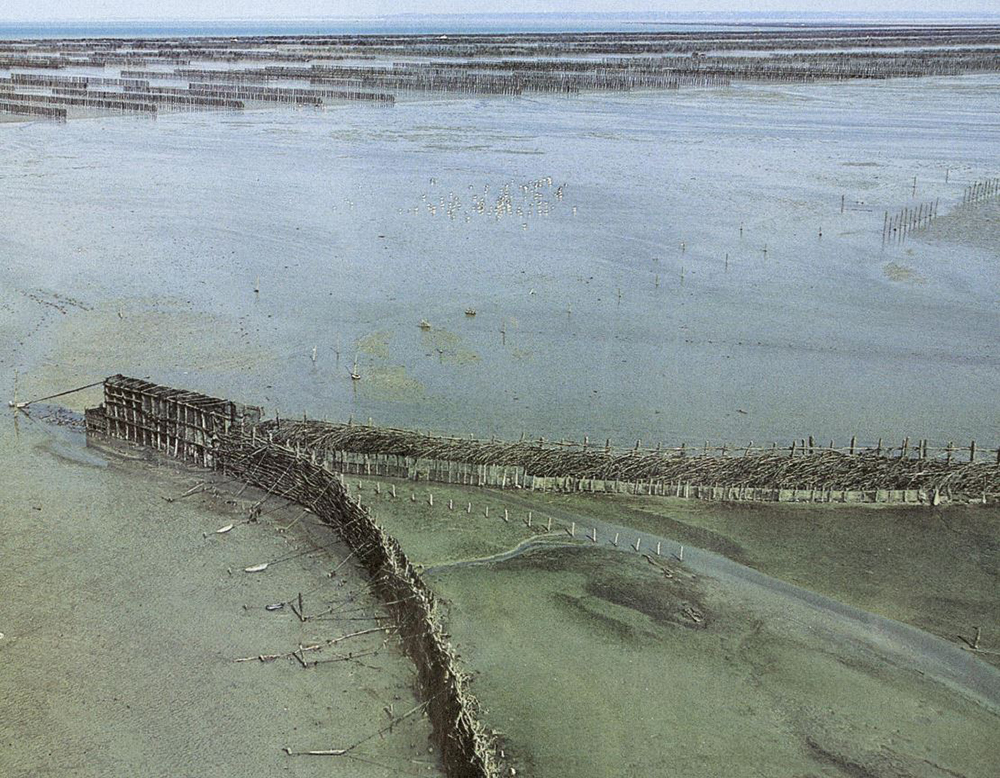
(606, 307)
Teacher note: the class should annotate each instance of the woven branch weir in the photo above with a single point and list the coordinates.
(768, 469)
(465, 747)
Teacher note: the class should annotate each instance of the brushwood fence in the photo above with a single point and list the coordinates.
(464, 744)
(980, 191)
(909, 473)
(897, 227)
(43, 111)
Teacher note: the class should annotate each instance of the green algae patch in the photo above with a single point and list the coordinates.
(896, 272)
(448, 346)
(392, 383)
(375, 344)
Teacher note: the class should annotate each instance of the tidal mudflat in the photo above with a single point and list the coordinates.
(699, 258)
(125, 615)
(594, 657)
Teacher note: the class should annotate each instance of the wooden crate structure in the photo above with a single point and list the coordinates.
(185, 425)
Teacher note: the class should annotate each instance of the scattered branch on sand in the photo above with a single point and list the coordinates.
(313, 647)
(667, 572)
(343, 751)
(188, 493)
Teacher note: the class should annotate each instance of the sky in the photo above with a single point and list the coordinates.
(206, 10)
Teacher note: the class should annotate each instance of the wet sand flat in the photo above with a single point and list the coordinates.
(121, 624)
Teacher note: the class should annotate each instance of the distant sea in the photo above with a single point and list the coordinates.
(458, 24)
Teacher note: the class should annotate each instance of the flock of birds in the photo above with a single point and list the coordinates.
(524, 201)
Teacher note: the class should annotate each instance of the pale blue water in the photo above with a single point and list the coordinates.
(344, 216)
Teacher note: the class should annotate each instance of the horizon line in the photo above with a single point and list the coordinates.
(762, 15)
